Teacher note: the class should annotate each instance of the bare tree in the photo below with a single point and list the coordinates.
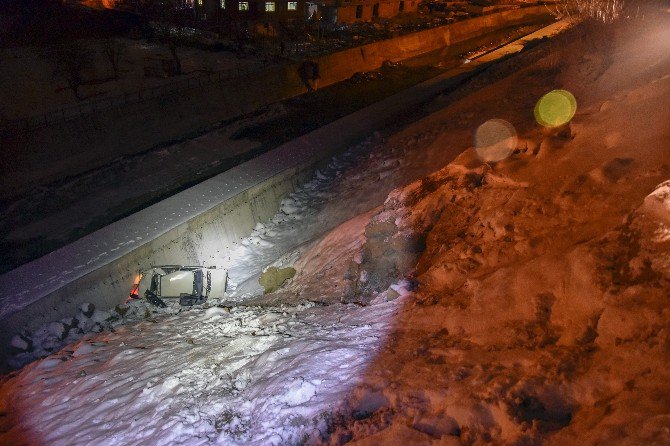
(70, 64)
(605, 11)
(170, 20)
(114, 49)
(173, 40)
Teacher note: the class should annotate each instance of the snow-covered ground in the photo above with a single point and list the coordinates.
(534, 310)
(252, 376)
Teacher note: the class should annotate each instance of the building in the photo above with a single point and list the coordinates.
(350, 11)
(272, 11)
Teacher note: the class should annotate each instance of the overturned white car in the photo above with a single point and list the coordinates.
(192, 285)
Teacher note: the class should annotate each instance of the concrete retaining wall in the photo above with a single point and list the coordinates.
(77, 145)
(203, 239)
(341, 65)
(387, 9)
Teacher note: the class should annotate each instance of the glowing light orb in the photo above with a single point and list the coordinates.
(495, 140)
(555, 108)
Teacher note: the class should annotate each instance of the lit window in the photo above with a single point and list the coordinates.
(292, 6)
(244, 6)
(269, 6)
(222, 3)
(199, 2)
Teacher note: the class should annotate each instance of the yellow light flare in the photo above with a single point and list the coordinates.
(555, 108)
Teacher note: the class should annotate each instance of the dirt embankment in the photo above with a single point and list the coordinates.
(539, 311)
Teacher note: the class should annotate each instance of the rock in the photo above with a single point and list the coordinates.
(121, 309)
(85, 323)
(70, 322)
(20, 343)
(58, 330)
(392, 294)
(87, 309)
(274, 278)
(388, 254)
(51, 344)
